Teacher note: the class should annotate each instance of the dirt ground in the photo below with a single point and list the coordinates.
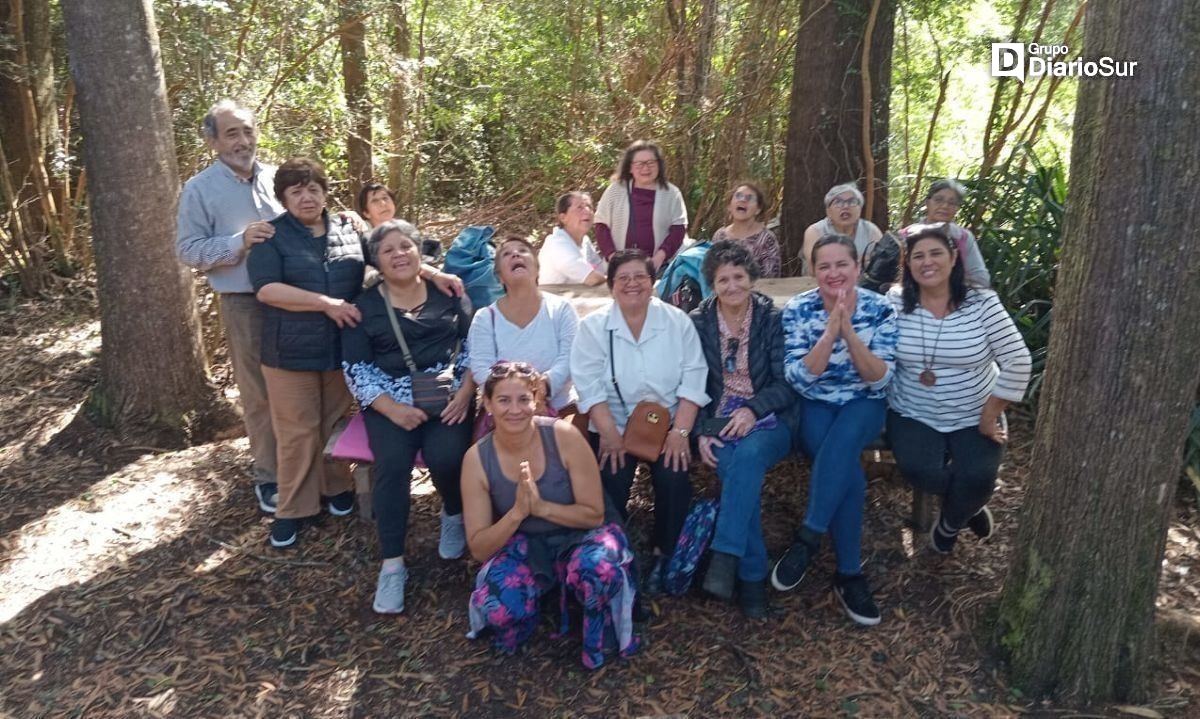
(136, 582)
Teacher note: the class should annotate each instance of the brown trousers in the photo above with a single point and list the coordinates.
(304, 408)
(241, 315)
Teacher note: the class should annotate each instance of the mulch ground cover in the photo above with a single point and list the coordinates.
(136, 582)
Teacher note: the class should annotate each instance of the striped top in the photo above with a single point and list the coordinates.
(804, 319)
(979, 353)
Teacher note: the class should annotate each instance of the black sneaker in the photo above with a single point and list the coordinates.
(653, 584)
(982, 524)
(791, 567)
(721, 574)
(856, 599)
(942, 539)
(284, 532)
(267, 494)
(340, 505)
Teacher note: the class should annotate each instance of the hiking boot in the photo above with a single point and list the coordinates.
(284, 532)
(752, 599)
(267, 494)
(942, 538)
(340, 505)
(389, 591)
(452, 541)
(721, 574)
(855, 597)
(982, 524)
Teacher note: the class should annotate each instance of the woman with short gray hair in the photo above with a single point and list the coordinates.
(941, 205)
(843, 216)
(409, 328)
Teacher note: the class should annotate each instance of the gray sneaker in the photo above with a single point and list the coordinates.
(389, 592)
(452, 541)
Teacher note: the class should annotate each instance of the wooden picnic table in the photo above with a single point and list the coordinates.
(586, 300)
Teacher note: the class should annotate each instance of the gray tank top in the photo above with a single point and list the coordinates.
(554, 485)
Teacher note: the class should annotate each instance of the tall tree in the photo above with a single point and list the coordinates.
(829, 111)
(399, 108)
(152, 373)
(1077, 611)
(358, 100)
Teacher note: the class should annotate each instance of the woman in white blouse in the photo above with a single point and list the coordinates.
(641, 349)
(525, 325)
(567, 256)
(959, 362)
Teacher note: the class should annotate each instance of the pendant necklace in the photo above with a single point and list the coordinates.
(928, 377)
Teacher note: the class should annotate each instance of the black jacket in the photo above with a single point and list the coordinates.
(331, 265)
(772, 393)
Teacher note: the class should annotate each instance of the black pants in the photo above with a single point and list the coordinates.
(672, 495)
(442, 446)
(959, 466)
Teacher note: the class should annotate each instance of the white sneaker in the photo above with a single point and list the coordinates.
(389, 592)
(452, 541)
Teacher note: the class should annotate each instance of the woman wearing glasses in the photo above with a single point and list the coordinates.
(535, 516)
(941, 205)
(747, 428)
(641, 348)
(640, 209)
(747, 208)
(843, 216)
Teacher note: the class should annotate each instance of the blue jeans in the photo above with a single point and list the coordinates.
(741, 466)
(834, 436)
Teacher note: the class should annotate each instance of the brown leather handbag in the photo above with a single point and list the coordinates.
(648, 424)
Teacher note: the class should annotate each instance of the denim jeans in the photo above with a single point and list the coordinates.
(834, 436)
(741, 466)
(960, 467)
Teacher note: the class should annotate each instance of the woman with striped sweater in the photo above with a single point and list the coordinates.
(959, 362)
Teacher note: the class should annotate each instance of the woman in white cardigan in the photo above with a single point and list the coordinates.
(640, 209)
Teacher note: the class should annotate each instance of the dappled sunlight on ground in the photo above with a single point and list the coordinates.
(132, 510)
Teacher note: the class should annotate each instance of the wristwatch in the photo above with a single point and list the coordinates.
(685, 433)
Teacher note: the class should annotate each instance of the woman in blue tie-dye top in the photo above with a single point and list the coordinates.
(839, 349)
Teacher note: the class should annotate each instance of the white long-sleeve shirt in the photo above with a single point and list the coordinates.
(975, 352)
(544, 343)
(562, 262)
(665, 364)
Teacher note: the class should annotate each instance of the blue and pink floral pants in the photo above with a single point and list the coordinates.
(596, 569)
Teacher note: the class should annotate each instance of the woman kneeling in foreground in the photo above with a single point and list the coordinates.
(535, 534)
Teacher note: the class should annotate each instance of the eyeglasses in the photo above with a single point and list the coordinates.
(941, 202)
(644, 164)
(845, 202)
(637, 279)
(731, 350)
(744, 196)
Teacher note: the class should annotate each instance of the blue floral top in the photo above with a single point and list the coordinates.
(804, 319)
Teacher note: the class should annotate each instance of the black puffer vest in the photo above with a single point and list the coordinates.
(332, 266)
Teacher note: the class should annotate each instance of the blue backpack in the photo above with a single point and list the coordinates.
(471, 258)
(682, 283)
(693, 541)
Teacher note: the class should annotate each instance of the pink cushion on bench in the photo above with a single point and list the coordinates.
(352, 444)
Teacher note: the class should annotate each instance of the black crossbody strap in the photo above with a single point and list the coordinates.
(387, 303)
(612, 364)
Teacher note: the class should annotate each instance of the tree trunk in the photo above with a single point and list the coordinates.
(825, 118)
(358, 99)
(399, 104)
(1077, 611)
(152, 374)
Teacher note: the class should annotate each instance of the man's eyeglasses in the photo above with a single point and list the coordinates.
(731, 350)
